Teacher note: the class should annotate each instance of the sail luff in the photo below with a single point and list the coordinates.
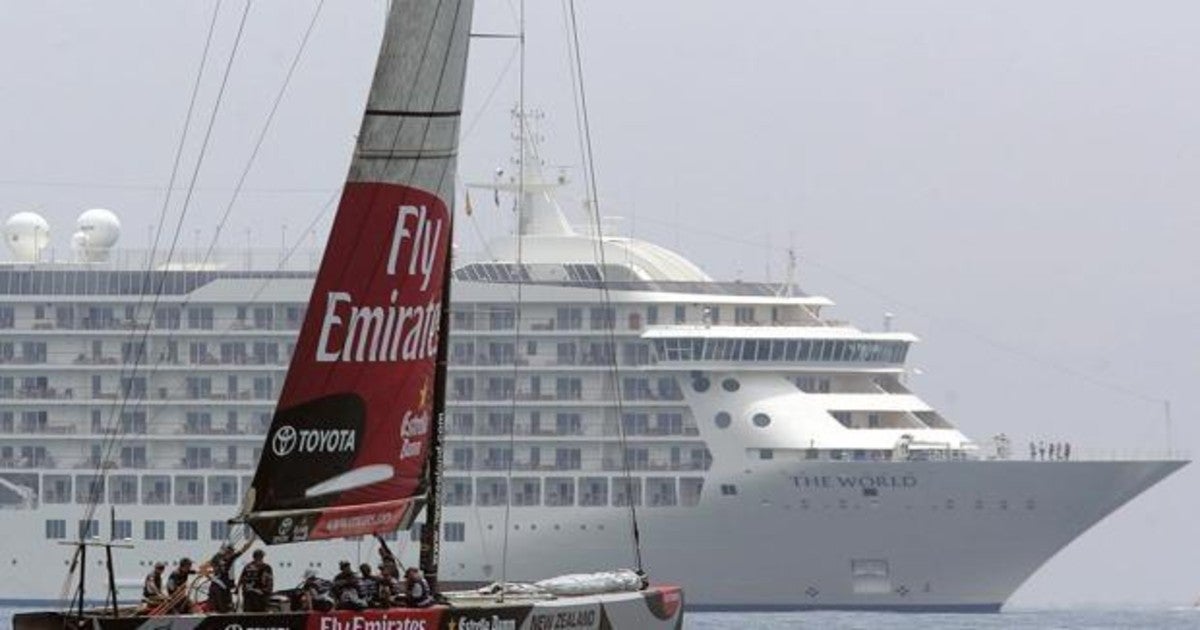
(348, 446)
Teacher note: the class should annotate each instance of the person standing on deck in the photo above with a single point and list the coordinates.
(257, 582)
(220, 590)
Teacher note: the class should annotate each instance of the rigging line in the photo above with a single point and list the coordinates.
(571, 61)
(254, 154)
(262, 135)
(114, 430)
(93, 500)
(512, 56)
(604, 290)
(520, 276)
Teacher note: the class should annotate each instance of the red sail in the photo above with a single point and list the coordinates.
(348, 446)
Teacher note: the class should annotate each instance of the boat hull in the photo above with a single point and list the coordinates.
(655, 607)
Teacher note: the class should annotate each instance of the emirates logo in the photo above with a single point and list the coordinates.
(284, 441)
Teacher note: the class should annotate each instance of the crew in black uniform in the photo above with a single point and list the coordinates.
(220, 589)
(345, 588)
(152, 587)
(177, 585)
(257, 582)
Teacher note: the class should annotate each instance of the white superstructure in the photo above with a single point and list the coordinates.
(762, 438)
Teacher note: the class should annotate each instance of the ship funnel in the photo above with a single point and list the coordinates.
(96, 232)
(27, 234)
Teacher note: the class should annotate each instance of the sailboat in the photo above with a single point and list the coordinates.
(353, 446)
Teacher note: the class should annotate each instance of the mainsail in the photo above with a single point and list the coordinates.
(348, 446)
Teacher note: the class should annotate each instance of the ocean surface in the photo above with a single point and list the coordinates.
(1057, 618)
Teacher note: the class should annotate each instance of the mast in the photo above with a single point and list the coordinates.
(431, 539)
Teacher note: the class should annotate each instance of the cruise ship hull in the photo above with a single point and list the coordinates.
(948, 536)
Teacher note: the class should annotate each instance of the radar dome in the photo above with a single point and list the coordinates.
(96, 231)
(27, 234)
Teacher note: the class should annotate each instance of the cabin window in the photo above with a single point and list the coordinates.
(223, 490)
(689, 490)
(728, 489)
(156, 489)
(89, 489)
(218, 530)
(680, 314)
(701, 384)
(189, 490)
(569, 318)
(122, 529)
(527, 491)
(123, 490)
(457, 491)
(651, 315)
(455, 532)
(661, 491)
(731, 385)
(491, 491)
(187, 530)
(723, 419)
(627, 491)
(155, 530)
(56, 529)
(761, 420)
(593, 491)
(560, 492)
(89, 528)
(57, 489)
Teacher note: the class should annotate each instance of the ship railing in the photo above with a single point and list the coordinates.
(1099, 454)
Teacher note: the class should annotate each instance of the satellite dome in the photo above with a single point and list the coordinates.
(96, 232)
(27, 234)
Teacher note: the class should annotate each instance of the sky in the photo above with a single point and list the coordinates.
(1014, 180)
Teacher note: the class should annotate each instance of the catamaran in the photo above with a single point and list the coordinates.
(353, 446)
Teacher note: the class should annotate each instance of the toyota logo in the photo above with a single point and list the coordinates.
(284, 441)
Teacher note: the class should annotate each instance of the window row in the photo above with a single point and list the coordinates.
(122, 529)
(569, 492)
(792, 350)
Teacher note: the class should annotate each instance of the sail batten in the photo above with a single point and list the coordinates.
(348, 446)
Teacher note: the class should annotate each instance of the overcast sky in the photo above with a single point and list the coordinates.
(1015, 180)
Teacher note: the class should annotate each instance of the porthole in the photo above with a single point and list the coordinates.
(761, 420)
(723, 419)
(701, 384)
(731, 385)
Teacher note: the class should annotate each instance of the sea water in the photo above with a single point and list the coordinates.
(1058, 618)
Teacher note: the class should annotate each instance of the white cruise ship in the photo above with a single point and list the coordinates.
(763, 438)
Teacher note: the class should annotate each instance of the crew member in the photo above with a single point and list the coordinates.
(388, 564)
(345, 588)
(314, 593)
(220, 589)
(417, 593)
(177, 585)
(152, 588)
(369, 586)
(257, 582)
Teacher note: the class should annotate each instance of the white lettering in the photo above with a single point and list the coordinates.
(324, 355)
(398, 235)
